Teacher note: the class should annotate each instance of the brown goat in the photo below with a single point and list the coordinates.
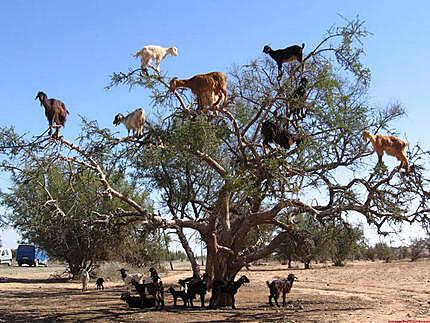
(55, 112)
(205, 87)
(280, 286)
(392, 145)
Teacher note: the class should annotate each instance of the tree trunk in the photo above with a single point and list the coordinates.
(193, 261)
(289, 262)
(224, 269)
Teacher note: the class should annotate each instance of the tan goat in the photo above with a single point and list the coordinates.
(392, 145)
(206, 88)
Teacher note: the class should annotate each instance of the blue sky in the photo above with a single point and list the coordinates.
(69, 49)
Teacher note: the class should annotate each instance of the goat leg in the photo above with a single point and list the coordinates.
(276, 300)
(233, 306)
(380, 159)
(202, 299)
(57, 132)
(279, 71)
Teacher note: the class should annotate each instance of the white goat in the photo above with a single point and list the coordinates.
(129, 278)
(85, 278)
(133, 121)
(154, 52)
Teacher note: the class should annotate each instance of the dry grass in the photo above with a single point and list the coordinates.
(363, 291)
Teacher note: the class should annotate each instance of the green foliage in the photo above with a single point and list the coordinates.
(311, 240)
(146, 247)
(383, 252)
(344, 241)
(417, 247)
(58, 209)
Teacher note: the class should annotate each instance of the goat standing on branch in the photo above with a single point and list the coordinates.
(392, 145)
(292, 53)
(278, 133)
(299, 96)
(55, 112)
(133, 121)
(206, 88)
(154, 52)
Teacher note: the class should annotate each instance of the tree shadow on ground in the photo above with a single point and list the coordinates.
(33, 281)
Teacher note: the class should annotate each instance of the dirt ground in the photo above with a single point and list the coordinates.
(361, 291)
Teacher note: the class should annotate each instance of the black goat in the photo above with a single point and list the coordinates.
(227, 289)
(132, 301)
(55, 112)
(299, 96)
(300, 91)
(154, 290)
(277, 133)
(280, 286)
(184, 282)
(137, 301)
(154, 274)
(99, 283)
(280, 56)
(196, 285)
(179, 294)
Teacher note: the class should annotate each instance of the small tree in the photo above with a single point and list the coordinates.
(344, 241)
(287, 251)
(403, 252)
(145, 247)
(383, 252)
(417, 247)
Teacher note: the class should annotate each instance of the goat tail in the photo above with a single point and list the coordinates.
(303, 45)
(268, 283)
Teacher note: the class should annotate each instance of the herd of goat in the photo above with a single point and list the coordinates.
(150, 290)
(210, 91)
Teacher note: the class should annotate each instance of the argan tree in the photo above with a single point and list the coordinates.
(211, 175)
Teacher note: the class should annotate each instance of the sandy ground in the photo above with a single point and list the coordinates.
(362, 291)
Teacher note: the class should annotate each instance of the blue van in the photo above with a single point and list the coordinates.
(30, 255)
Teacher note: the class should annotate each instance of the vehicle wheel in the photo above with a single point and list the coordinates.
(9, 263)
(19, 264)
